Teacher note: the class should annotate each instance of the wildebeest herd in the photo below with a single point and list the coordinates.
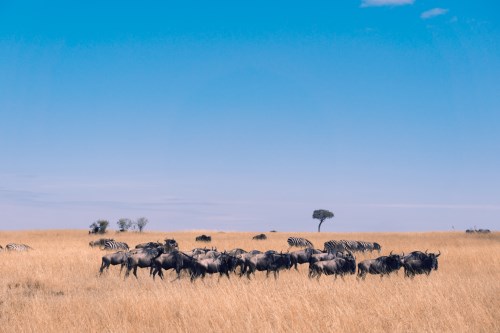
(477, 231)
(337, 258)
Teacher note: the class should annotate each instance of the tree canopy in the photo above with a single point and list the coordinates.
(141, 223)
(322, 215)
(124, 224)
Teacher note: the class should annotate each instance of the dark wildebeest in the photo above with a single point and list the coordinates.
(166, 261)
(259, 237)
(148, 244)
(117, 258)
(323, 256)
(382, 265)
(484, 231)
(338, 266)
(222, 264)
(100, 242)
(142, 257)
(203, 238)
(269, 261)
(418, 262)
(302, 256)
(170, 245)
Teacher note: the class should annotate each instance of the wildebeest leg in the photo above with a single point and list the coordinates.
(103, 265)
(135, 272)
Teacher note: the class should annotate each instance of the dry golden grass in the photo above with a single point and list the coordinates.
(55, 288)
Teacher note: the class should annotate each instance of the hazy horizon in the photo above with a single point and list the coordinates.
(248, 117)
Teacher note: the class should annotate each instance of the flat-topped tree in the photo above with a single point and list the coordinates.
(322, 215)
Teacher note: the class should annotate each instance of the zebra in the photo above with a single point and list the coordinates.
(334, 246)
(18, 247)
(114, 245)
(299, 242)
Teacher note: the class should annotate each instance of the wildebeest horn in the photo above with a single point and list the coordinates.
(403, 254)
(438, 254)
(390, 253)
(426, 251)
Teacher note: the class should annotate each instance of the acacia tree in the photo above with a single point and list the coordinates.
(322, 215)
(124, 224)
(99, 226)
(141, 223)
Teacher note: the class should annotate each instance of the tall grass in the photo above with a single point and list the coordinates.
(56, 288)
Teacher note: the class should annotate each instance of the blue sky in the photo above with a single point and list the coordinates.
(250, 115)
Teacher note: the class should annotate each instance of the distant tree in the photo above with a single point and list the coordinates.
(124, 224)
(99, 226)
(322, 215)
(141, 223)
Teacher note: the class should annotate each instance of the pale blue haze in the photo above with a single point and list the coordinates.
(233, 115)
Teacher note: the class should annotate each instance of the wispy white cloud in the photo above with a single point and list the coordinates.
(433, 13)
(379, 3)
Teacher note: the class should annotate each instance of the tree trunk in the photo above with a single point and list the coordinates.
(319, 225)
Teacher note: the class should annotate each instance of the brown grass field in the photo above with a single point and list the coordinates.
(55, 288)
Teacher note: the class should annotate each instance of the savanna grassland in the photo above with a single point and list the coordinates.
(56, 288)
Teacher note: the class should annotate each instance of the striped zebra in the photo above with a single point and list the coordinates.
(114, 245)
(299, 242)
(18, 247)
(352, 246)
(333, 246)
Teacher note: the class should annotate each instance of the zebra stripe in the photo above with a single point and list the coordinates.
(334, 246)
(349, 245)
(18, 247)
(299, 242)
(114, 245)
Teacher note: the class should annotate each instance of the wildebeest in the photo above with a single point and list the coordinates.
(259, 237)
(418, 262)
(204, 238)
(166, 261)
(170, 245)
(143, 258)
(302, 256)
(221, 264)
(322, 256)
(148, 244)
(478, 231)
(346, 264)
(100, 242)
(382, 265)
(270, 261)
(117, 258)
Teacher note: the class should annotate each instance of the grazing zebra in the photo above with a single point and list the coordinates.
(114, 245)
(18, 247)
(299, 242)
